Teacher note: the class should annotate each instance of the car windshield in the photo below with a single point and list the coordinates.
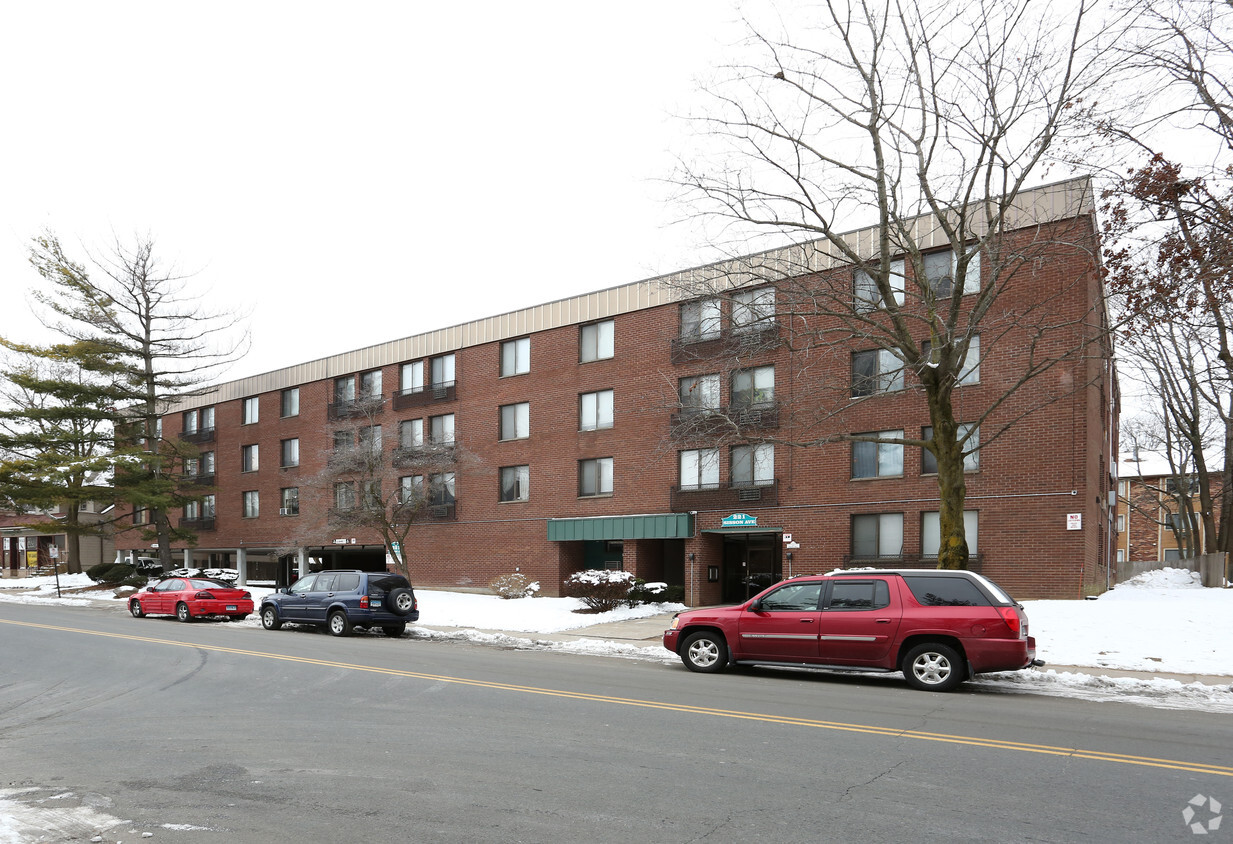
(208, 583)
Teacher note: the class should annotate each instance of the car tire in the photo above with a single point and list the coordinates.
(338, 623)
(182, 612)
(933, 667)
(270, 619)
(705, 652)
(394, 630)
(134, 606)
(400, 601)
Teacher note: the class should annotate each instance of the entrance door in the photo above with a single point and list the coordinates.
(751, 564)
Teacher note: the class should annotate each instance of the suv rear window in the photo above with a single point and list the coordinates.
(945, 592)
(387, 582)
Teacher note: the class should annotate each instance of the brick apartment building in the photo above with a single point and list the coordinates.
(1146, 508)
(574, 425)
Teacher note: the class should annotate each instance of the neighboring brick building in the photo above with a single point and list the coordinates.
(578, 422)
(1145, 508)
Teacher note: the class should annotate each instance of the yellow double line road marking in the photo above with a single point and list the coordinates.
(890, 732)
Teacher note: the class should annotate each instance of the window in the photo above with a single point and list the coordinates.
(441, 429)
(344, 389)
(251, 406)
(597, 342)
(344, 495)
(411, 377)
(289, 501)
(441, 489)
(515, 421)
(753, 310)
(930, 532)
(595, 410)
(369, 439)
(701, 319)
(1177, 522)
(290, 453)
(945, 592)
(252, 504)
(370, 384)
(1121, 523)
(595, 476)
(941, 269)
(141, 516)
(753, 465)
(411, 433)
(192, 510)
(877, 535)
(373, 500)
(344, 440)
(700, 394)
(876, 371)
(516, 357)
(969, 370)
(1186, 484)
(207, 506)
(207, 419)
(290, 402)
(753, 387)
(207, 463)
(443, 370)
(192, 467)
(700, 468)
(858, 595)
(971, 457)
(795, 597)
(877, 459)
(411, 489)
(867, 297)
(248, 458)
(515, 483)
(191, 421)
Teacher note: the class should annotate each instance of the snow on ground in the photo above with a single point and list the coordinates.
(1161, 621)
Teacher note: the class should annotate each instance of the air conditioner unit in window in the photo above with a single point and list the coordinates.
(284, 511)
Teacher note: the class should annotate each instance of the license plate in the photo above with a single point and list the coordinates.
(376, 604)
(231, 608)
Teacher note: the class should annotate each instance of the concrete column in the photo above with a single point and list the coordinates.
(241, 566)
(119, 556)
(188, 558)
(302, 558)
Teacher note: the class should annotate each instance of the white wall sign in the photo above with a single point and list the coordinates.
(1074, 521)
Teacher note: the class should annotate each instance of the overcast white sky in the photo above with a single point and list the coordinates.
(353, 173)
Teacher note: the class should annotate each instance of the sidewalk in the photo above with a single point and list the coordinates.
(648, 632)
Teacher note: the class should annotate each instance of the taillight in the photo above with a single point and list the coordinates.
(363, 602)
(1011, 616)
(204, 596)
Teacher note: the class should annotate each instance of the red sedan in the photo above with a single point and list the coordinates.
(191, 597)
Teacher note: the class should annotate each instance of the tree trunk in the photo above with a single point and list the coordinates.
(952, 487)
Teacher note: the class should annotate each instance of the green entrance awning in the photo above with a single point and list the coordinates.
(653, 526)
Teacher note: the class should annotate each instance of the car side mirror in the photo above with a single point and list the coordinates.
(149, 589)
(756, 606)
(282, 590)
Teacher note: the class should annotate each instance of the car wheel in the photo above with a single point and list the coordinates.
(339, 624)
(705, 652)
(238, 617)
(270, 619)
(394, 630)
(933, 667)
(182, 612)
(400, 601)
(134, 606)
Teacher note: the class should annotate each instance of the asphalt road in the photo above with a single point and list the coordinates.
(215, 732)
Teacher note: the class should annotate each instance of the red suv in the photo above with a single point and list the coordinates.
(938, 627)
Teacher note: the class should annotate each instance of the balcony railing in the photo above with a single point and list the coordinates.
(904, 561)
(200, 524)
(351, 408)
(420, 396)
(693, 423)
(684, 499)
(201, 435)
(749, 337)
(201, 479)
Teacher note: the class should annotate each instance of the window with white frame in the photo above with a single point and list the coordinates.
(515, 483)
(878, 459)
(141, 516)
(207, 506)
(595, 477)
(411, 377)
(969, 366)
(370, 384)
(700, 394)
(941, 269)
(411, 433)
(516, 357)
(1121, 523)
(251, 407)
(753, 310)
(753, 465)
(192, 467)
(344, 389)
(252, 504)
(344, 495)
(411, 489)
(753, 387)
(931, 532)
(289, 501)
(289, 402)
(207, 463)
(344, 440)
(191, 421)
(877, 535)
(700, 469)
(876, 371)
(441, 489)
(192, 510)
(515, 421)
(442, 370)
(701, 319)
(369, 439)
(971, 449)
(867, 296)
(290, 453)
(207, 419)
(248, 458)
(441, 429)
(595, 410)
(597, 341)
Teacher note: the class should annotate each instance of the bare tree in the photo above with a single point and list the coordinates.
(930, 122)
(162, 344)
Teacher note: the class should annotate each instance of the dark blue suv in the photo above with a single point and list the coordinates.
(344, 600)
